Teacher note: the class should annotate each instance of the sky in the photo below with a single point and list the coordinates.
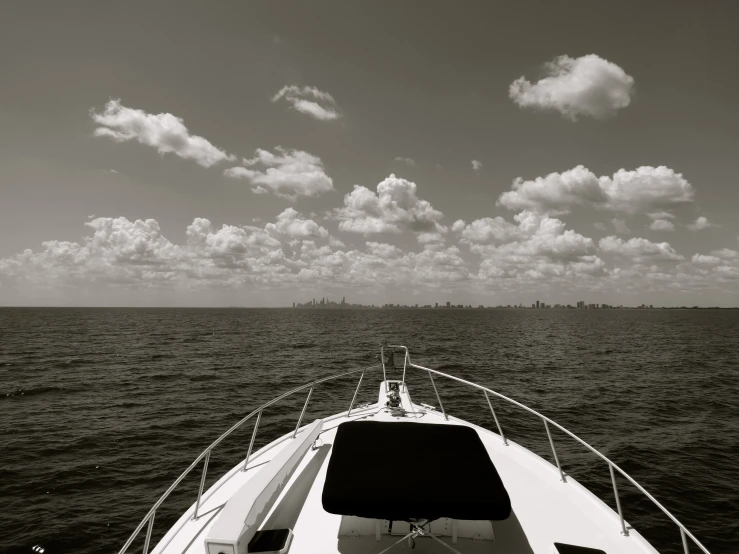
(260, 153)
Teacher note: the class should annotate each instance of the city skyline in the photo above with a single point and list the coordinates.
(326, 303)
(256, 151)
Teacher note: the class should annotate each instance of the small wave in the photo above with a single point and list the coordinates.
(37, 391)
(161, 356)
(198, 378)
(449, 367)
(71, 361)
(164, 376)
(303, 345)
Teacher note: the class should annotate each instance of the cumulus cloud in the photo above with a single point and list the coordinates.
(291, 224)
(639, 249)
(383, 250)
(700, 223)
(619, 225)
(488, 231)
(722, 264)
(535, 248)
(476, 166)
(286, 173)
(556, 193)
(705, 259)
(662, 225)
(584, 86)
(660, 215)
(393, 208)
(165, 132)
(646, 188)
(432, 239)
(642, 190)
(310, 101)
(407, 161)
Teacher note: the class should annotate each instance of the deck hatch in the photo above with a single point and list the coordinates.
(407, 470)
(561, 548)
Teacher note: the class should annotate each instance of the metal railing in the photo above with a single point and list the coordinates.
(684, 533)
(205, 454)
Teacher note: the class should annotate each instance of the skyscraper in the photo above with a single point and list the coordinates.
(448, 304)
(537, 303)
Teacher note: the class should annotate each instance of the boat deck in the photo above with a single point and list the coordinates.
(544, 509)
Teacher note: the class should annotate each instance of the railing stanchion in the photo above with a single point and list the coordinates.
(406, 359)
(295, 434)
(148, 532)
(624, 531)
(685, 541)
(355, 395)
(382, 361)
(437, 396)
(500, 430)
(202, 484)
(556, 459)
(253, 436)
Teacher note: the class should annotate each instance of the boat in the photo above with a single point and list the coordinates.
(394, 475)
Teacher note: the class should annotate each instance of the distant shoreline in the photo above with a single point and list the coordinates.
(361, 308)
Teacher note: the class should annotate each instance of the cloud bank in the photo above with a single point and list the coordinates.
(294, 252)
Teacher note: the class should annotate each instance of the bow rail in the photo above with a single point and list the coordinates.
(205, 455)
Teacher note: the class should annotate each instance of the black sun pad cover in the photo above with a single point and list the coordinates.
(404, 470)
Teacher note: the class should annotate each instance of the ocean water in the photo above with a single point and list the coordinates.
(101, 409)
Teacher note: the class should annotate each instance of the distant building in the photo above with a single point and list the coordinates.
(537, 303)
(448, 304)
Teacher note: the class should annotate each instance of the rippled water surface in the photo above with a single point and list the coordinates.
(101, 409)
